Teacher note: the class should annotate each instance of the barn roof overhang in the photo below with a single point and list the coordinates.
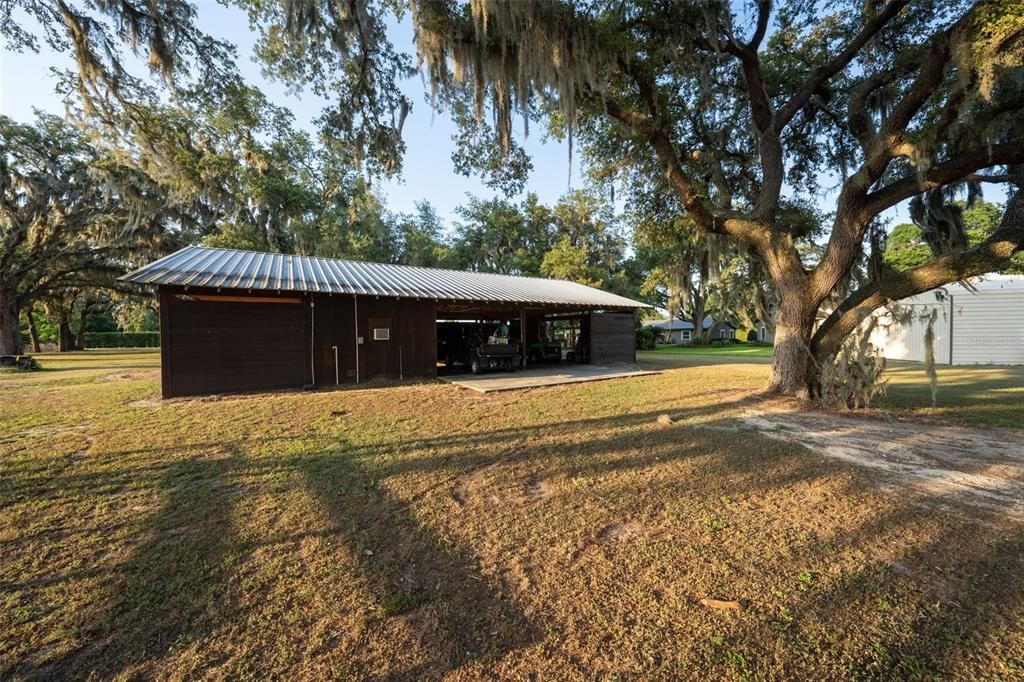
(226, 269)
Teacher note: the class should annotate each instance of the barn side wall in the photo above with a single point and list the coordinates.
(220, 343)
(612, 338)
(229, 341)
(410, 351)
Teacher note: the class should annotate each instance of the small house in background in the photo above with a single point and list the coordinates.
(764, 332)
(680, 332)
(980, 323)
(242, 320)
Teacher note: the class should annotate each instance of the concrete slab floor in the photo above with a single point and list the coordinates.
(550, 375)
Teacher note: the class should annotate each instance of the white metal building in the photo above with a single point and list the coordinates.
(980, 326)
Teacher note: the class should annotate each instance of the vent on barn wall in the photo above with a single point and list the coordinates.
(382, 334)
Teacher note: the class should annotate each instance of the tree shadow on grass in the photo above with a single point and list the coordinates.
(170, 591)
(175, 583)
(459, 615)
(950, 606)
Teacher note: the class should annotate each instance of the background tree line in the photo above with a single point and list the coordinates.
(78, 211)
(724, 122)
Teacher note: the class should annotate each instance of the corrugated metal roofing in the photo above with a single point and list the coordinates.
(678, 325)
(201, 266)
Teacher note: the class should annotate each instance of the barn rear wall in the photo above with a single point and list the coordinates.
(223, 342)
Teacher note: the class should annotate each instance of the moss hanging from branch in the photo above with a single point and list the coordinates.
(513, 51)
(929, 354)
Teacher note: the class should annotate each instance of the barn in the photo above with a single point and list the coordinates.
(977, 323)
(234, 321)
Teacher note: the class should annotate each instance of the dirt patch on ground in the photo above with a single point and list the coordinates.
(620, 532)
(537, 489)
(981, 468)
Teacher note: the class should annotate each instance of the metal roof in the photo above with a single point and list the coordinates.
(201, 266)
(677, 325)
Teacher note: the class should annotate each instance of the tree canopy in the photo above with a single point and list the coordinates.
(736, 115)
(70, 216)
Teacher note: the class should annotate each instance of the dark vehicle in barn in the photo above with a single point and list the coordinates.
(478, 346)
(544, 351)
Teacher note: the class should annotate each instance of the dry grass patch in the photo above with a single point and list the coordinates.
(423, 532)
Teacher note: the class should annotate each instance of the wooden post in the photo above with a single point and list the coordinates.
(522, 338)
(166, 389)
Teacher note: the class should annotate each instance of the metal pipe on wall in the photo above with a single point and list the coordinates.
(337, 380)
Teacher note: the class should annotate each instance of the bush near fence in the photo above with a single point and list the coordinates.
(122, 339)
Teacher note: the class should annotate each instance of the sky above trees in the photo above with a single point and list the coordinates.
(428, 172)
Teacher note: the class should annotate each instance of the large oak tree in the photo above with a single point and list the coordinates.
(70, 216)
(743, 107)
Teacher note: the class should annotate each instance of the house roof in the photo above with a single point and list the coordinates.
(201, 266)
(679, 325)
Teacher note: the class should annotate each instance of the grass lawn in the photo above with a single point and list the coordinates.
(423, 531)
(736, 350)
(982, 396)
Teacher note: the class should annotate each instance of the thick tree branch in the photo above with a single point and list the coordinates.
(837, 63)
(764, 11)
(942, 174)
(993, 254)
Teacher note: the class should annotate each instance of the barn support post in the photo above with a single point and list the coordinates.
(312, 342)
(355, 322)
(522, 338)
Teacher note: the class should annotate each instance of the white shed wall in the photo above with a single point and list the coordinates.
(905, 340)
(987, 325)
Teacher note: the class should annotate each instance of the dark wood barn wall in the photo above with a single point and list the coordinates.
(221, 342)
(211, 346)
(409, 352)
(612, 338)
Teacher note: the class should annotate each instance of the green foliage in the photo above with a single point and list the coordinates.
(499, 236)
(566, 261)
(421, 238)
(71, 215)
(122, 339)
(136, 315)
(342, 53)
(100, 321)
(646, 338)
(905, 247)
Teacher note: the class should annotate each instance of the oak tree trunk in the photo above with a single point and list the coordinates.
(793, 368)
(698, 323)
(10, 335)
(80, 336)
(33, 331)
(66, 339)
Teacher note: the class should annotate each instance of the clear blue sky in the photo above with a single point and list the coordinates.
(26, 82)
